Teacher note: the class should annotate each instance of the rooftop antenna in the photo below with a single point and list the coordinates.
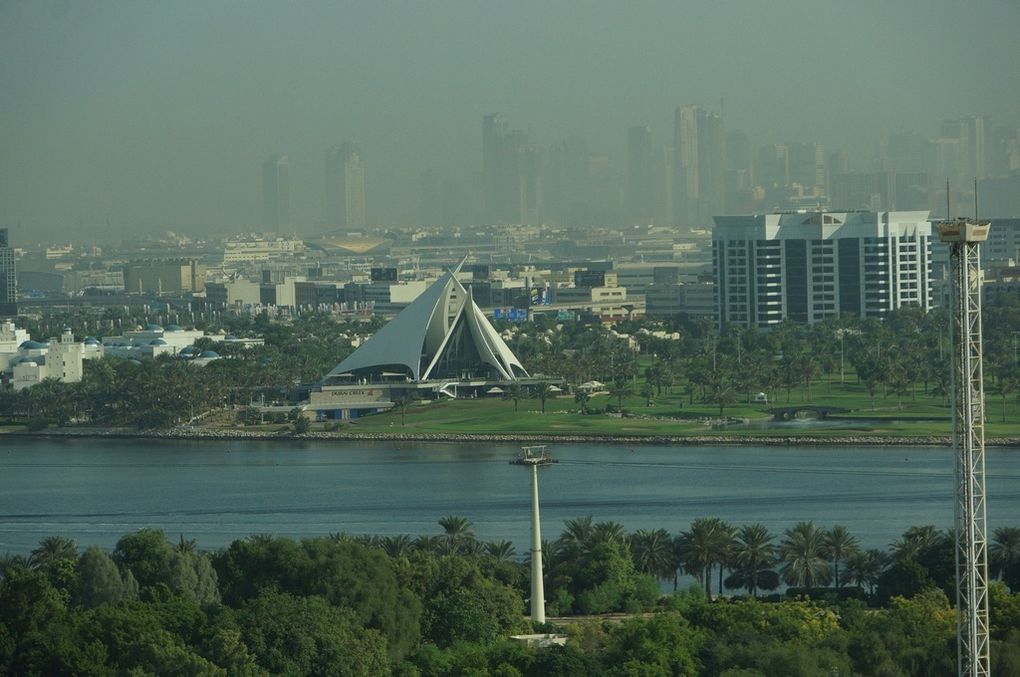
(964, 237)
(534, 457)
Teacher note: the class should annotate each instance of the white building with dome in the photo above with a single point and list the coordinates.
(61, 358)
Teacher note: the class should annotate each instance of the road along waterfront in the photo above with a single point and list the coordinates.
(96, 489)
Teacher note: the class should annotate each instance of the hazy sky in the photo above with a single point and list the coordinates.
(155, 115)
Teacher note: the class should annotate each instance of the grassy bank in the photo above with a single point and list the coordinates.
(675, 414)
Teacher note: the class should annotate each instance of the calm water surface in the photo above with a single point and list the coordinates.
(96, 490)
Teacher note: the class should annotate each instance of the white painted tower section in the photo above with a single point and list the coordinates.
(537, 584)
(534, 457)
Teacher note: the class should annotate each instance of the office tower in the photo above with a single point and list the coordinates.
(276, 195)
(568, 184)
(640, 176)
(664, 180)
(8, 277)
(806, 163)
(494, 130)
(961, 149)
(699, 158)
(773, 166)
(530, 182)
(808, 266)
(739, 177)
(506, 159)
(345, 187)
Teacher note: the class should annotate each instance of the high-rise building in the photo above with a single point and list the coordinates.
(531, 189)
(699, 162)
(739, 178)
(962, 149)
(276, 195)
(494, 129)
(773, 166)
(510, 173)
(345, 187)
(568, 188)
(8, 277)
(807, 266)
(640, 176)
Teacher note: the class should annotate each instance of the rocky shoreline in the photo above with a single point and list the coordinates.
(677, 440)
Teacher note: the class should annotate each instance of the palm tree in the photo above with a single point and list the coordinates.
(403, 401)
(543, 391)
(577, 532)
(608, 532)
(501, 551)
(707, 542)
(720, 392)
(914, 541)
(429, 543)
(807, 369)
(186, 545)
(620, 389)
(9, 562)
(53, 549)
(457, 531)
(1008, 383)
(652, 552)
(397, 546)
(581, 397)
(516, 393)
(865, 566)
(754, 555)
(839, 544)
(1004, 551)
(803, 555)
(648, 392)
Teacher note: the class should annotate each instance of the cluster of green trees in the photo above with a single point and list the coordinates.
(906, 352)
(167, 391)
(446, 604)
(898, 357)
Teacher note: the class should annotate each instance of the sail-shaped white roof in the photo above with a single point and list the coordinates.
(419, 336)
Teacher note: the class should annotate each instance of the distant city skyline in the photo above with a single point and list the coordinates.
(123, 118)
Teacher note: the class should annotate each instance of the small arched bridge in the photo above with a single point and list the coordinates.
(803, 411)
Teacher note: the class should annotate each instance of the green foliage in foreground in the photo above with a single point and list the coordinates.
(446, 605)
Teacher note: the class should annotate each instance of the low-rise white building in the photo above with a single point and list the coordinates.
(11, 339)
(259, 249)
(60, 358)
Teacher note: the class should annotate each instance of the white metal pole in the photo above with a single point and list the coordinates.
(537, 585)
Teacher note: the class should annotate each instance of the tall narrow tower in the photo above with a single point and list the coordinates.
(534, 457)
(276, 195)
(964, 237)
(345, 187)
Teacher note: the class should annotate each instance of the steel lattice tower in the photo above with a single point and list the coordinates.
(964, 237)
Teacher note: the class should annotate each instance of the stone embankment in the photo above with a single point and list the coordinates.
(678, 440)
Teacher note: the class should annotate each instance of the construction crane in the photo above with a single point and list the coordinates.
(964, 237)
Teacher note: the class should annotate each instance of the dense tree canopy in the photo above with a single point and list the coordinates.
(447, 604)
